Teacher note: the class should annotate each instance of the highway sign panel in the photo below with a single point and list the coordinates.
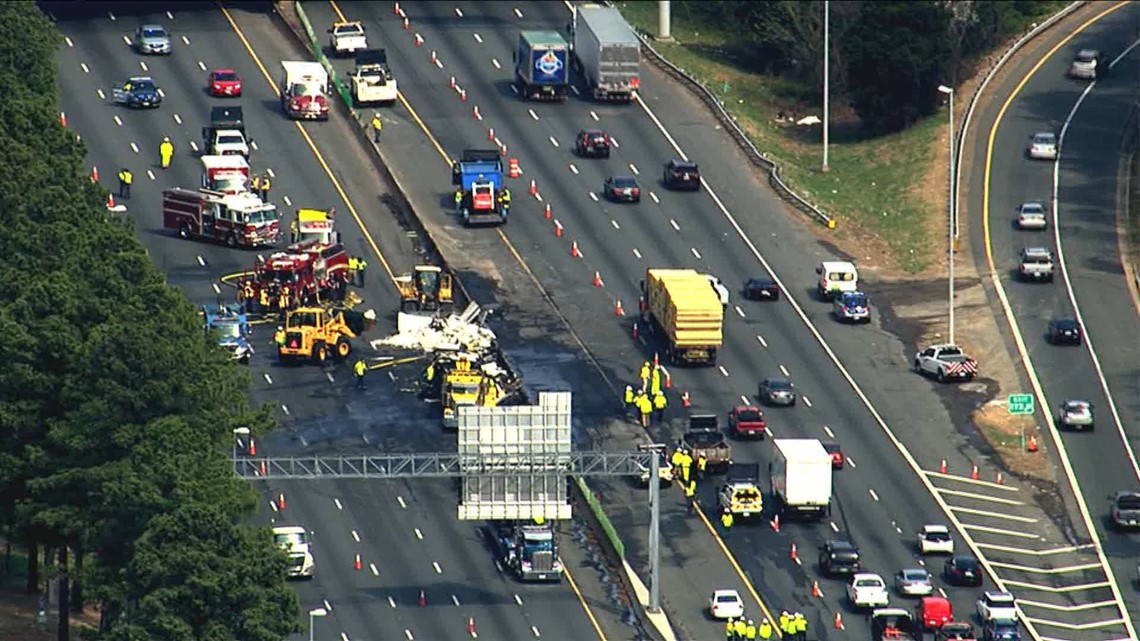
(1021, 404)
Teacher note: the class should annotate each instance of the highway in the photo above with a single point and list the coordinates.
(881, 499)
(1081, 193)
(405, 533)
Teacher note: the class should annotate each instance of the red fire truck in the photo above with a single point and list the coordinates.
(307, 269)
(238, 220)
(227, 174)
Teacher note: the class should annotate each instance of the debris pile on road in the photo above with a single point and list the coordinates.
(451, 333)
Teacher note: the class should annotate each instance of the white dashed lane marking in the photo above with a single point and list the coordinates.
(573, 169)
(762, 341)
(518, 599)
(375, 572)
(636, 253)
(84, 67)
(455, 600)
(676, 227)
(827, 430)
(68, 41)
(339, 505)
(102, 96)
(633, 168)
(553, 141)
(143, 66)
(497, 65)
(185, 41)
(419, 535)
(355, 536)
(695, 252)
(532, 114)
(201, 65)
(201, 261)
(614, 142)
(723, 370)
(594, 116)
(118, 121)
(784, 371)
(739, 312)
(655, 198)
(807, 401)
(217, 290)
(438, 570)
(518, 13)
(177, 119)
(459, 12)
(873, 495)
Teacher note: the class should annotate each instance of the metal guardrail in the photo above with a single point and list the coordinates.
(334, 78)
(994, 69)
(757, 157)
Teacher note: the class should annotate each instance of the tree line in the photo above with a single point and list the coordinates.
(887, 57)
(116, 415)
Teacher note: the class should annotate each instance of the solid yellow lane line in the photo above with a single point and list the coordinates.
(313, 147)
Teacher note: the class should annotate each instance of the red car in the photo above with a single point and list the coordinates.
(836, 452)
(747, 421)
(224, 83)
(933, 612)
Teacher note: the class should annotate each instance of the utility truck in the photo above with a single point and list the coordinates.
(542, 69)
(304, 90)
(238, 220)
(372, 80)
(607, 52)
(225, 135)
(314, 226)
(801, 478)
(479, 176)
(686, 313)
(945, 362)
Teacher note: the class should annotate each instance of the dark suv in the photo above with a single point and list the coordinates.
(592, 143)
(682, 174)
(1064, 331)
(839, 557)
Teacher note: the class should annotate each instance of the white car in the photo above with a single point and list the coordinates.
(1076, 415)
(1088, 64)
(726, 604)
(1043, 146)
(914, 582)
(997, 606)
(1032, 216)
(935, 539)
(868, 590)
(348, 38)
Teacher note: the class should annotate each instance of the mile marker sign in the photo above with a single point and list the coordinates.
(1021, 404)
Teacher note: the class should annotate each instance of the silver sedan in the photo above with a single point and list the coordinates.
(1032, 216)
(914, 582)
(1076, 415)
(777, 391)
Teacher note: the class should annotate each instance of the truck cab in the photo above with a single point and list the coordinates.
(238, 220)
(462, 386)
(427, 287)
(530, 551)
(225, 135)
(225, 174)
(479, 177)
(704, 437)
(294, 541)
(304, 90)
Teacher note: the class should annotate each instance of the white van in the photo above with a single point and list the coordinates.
(836, 277)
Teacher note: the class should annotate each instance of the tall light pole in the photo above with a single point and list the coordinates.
(826, 80)
(313, 614)
(238, 433)
(664, 29)
(658, 450)
(951, 213)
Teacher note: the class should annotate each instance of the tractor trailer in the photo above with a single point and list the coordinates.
(542, 69)
(607, 52)
(679, 306)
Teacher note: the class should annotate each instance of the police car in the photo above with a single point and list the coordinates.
(231, 328)
(138, 92)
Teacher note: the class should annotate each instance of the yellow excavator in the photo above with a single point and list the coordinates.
(316, 334)
(427, 288)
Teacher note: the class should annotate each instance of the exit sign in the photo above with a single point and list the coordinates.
(1021, 404)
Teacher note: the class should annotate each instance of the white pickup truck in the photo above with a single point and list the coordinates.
(945, 362)
(1036, 264)
(347, 38)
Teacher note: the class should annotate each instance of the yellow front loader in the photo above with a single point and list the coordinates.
(427, 288)
(316, 334)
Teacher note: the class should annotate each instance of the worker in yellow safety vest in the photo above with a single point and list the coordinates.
(655, 381)
(255, 184)
(166, 152)
(377, 125)
(458, 199)
(726, 519)
(628, 398)
(765, 630)
(279, 336)
(358, 370)
(263, 300)
(741, 627)
(644, 375)
(785, 623)
(361, 265)
(686, 466)
(125, 180)
(644, 408)
(659, 403)
(265, 187)
(702, 465)
(750, 631)
(730, 629)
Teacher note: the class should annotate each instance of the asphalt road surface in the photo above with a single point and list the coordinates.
(1089, 275)
(406, 534)
(880, 500)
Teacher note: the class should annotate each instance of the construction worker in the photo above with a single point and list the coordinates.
(359, 369)
(279, 336)
(702, 465)
(283, 300)
(294, 231)
(655, 381)
(750, 631)
(429, 373)
(785, 623)
(691, 494)
(659, 403)
(675, 459)
(801, 626)
(263, 300)
(726, 519)
(505, 199)
(458, 199)
(361, 265)
(741, 627)
(644, 408)
(644, 375)
(248, 296)
(765, 630)
(255, 186)
(125, 180)
(166, 152)
(730, 629)
(686, 466)
(265, 185)
(628, 398)
(377, 125)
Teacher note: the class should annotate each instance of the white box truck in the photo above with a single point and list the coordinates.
(801, 478)
(304, 90)
(607, 51)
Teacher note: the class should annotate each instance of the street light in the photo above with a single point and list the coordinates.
(313, 614)
(826, 81)
(238, 433)
(952, 214)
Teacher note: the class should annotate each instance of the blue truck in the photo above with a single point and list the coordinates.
(478, 178)
(542, 66)
(230, 327)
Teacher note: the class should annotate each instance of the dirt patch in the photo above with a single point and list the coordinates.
(18, 619)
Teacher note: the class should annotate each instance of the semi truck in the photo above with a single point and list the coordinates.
(606, 52)
(679, 306)
(238, 220)
(372, 80)
(304, 90)
(801, 478)
(479, 176)
(542, 66)
(530, 551)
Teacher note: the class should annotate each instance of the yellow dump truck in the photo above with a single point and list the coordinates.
(466, 385)
(680, 307)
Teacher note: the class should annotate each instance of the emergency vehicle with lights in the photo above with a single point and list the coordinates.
(226, 174)
(238, 220)
(305, 90)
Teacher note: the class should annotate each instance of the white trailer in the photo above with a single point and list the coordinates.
(801, 477)
(607, 51)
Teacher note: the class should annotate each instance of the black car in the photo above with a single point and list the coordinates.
(1001, 631)
(761, 289)
(622, 189)
(839, 556)
(962, 570)
(138, 92)
(1064, 331)
(592, 143)
(682, 174)
(777, 391)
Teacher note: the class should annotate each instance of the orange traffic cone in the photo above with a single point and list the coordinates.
(795, 556)
(419, 40)
(618, 311)
(656, 360)
(63, 119)
(475, 113)
(452, 84)
(685, 402)
(574, 251)
(406, 25)
(1032, 447)
(423, 599)
(1000, 480)
(815, 591)
(557, 229)
(263, 470)
(281, 501)
(839, 621)
(974, 473)
(598, 280)
(110, 201)
(471, 627)
(463, 98)
(776, 523)
(668, 380)
(252, 447)
(548, 211)
(434, 58)
(503, 153)
(636, 330)
(94, 174)
(533, 188)
(942, 468)
(357, 564)
(491, 134)
(396, 9)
